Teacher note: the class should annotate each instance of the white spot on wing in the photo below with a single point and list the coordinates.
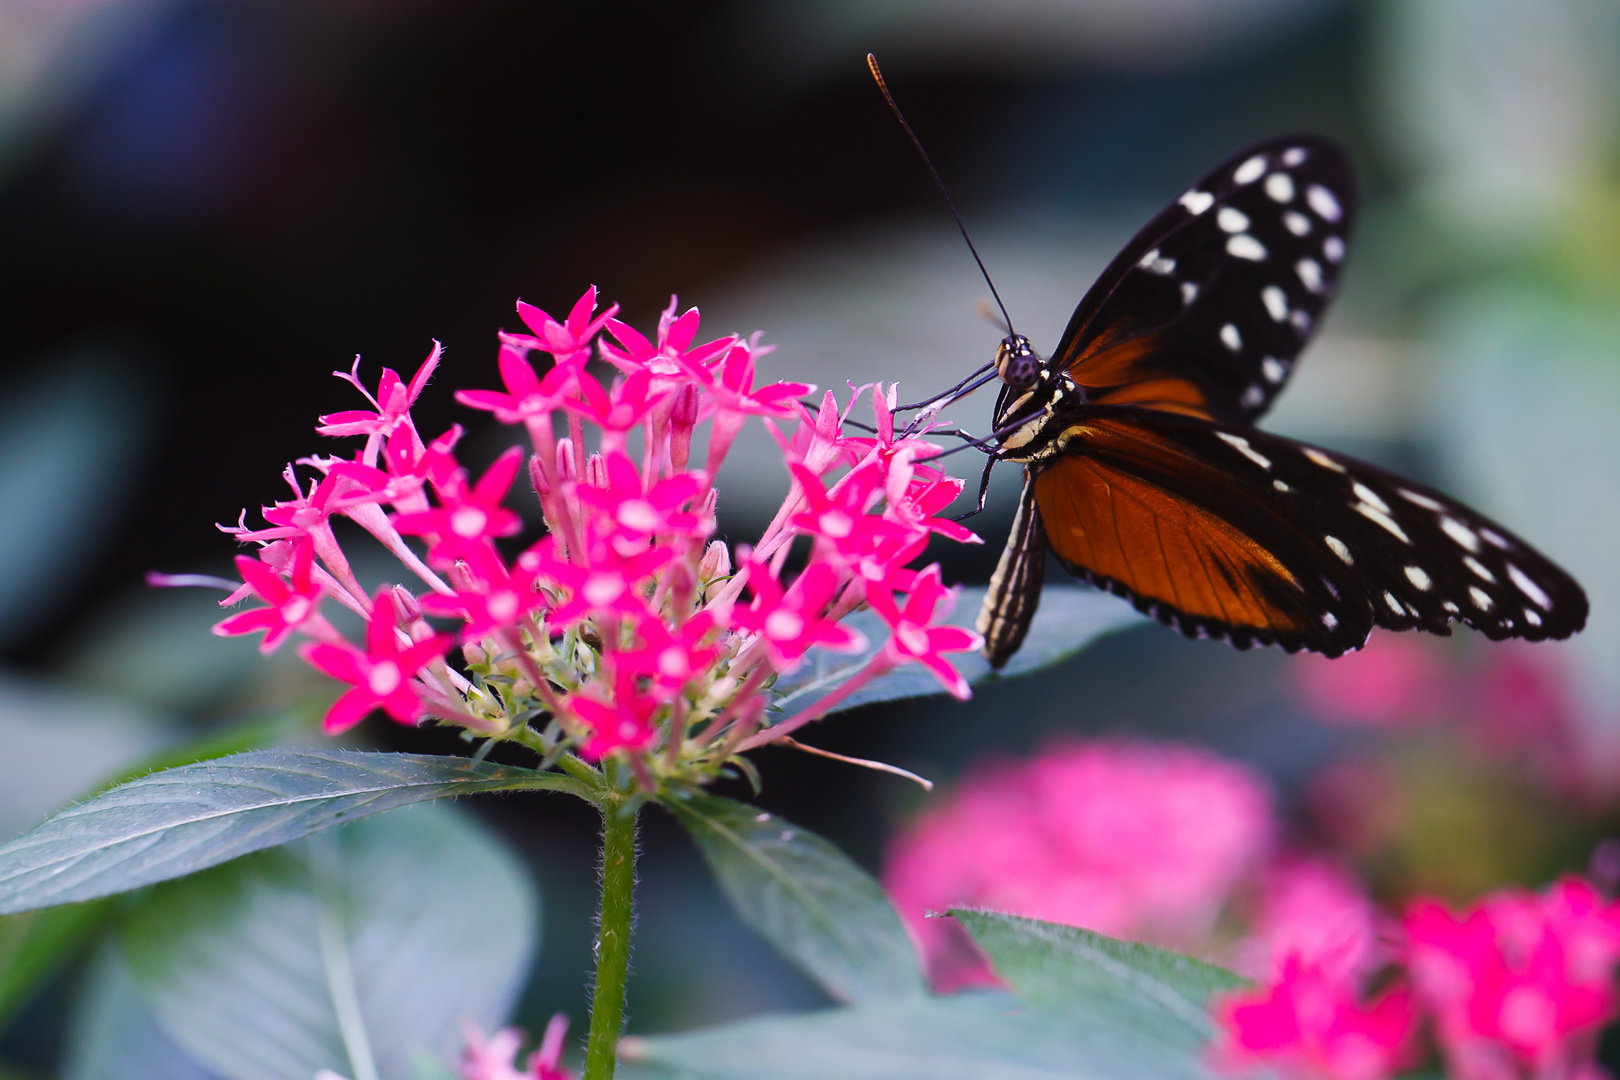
(1244, 246)
(1296, 223)
(1322, 459)
(1241, 445)
(1310, 272)
(1369, 496)
(1293, 156)
(1155, 263)
(1372, 513)
(1496, 539)
(1273, 369)
(1329, 619)
(1481, 598)
(1449, 606)
(1480, 569)
(1341, 549)
(1532, 617)
(1333, 248)
(1301, 320)
(1460, 533)
(1394, 604)
(1280, 486)
(1280, 186)
(1253, 397)
(1276, 302)
(1231, 219)
(1419, 577)
(1231, 338)
(1419, 498)
(1529, 588)
(1322, 201)
(1189, 292)
(1249, 171)
(1197, 201)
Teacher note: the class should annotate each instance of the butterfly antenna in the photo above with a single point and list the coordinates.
(877, 75)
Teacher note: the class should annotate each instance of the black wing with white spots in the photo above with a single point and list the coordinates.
(1205, 311)
(1227, 532)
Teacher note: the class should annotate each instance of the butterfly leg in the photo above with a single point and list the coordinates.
(984, 491)
(1015, 590)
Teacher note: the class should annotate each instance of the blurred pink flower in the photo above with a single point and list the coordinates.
(1520, 983)
(1395, 680)
(1130, 839)
(492, 1057)
(1312, 910)
(1311, 1024)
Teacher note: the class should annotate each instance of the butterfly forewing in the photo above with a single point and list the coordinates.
(1226, 532)
(1205, 310)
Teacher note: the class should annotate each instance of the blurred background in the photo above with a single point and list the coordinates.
(207, 207)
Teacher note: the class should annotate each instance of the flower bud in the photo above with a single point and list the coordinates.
(409, 610)
(596, 474)
(461, 577)
(716, 562)
(537, 477)
(474, 653)
(567, 464)
(682, 420)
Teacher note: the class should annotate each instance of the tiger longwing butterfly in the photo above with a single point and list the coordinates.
(1144, 474)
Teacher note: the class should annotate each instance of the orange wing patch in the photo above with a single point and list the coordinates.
(1125, 533)
(1133, 371)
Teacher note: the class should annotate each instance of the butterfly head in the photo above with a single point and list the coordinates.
(1017, 363)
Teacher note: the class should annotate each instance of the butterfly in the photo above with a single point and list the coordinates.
(1144, 474)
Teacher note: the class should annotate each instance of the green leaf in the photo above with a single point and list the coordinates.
(806, 897)
(34, 945)
(183, 820)
(1069, 619)
(112, 1035)
(1067, 967)
(368, 944)
(972, 1036)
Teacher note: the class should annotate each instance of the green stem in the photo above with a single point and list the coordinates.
(613, 939)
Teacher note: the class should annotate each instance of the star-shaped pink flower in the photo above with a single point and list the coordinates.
(294, 602)
(791, 622)
(469, 517)
(623, 723)
(382, 675)
(628, 515)
(568, 339)
(913, 638)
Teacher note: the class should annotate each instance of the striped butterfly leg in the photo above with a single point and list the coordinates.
(1015, 590)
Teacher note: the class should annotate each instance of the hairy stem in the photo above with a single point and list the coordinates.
(612, 939)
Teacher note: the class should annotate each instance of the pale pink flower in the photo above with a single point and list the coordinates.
(494, 1057)
(1313, 910)
(1131, 839)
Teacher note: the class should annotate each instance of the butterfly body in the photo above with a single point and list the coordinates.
(1145, 475)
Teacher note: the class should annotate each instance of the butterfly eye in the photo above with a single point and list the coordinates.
(1016, 362)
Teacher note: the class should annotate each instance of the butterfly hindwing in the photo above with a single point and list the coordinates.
(1205, 310)
(1227, 532)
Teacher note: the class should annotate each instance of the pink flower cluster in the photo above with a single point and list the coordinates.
(1130, 839)
(1519, 984)
(494, 1057)
(1514, 988)
(627, 625)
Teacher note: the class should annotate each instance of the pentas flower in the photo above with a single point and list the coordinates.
(381, 673)
(494, 1057)
(294, 602)
(622, 634)
(1131, 839)
(1520, 983)
(1311, 1025)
